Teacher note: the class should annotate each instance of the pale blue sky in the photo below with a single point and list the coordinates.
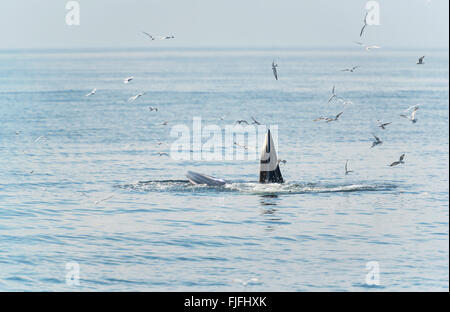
(230, 23)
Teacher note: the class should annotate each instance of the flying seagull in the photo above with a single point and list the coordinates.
(163, 154)
(329, 119)
(411, 117)
(371, 47)
(368, 47)
(92, 92)
(128, 79)
(166, 37)
(274, 69)
(40, 138)
(148, 35)
(420, 62)
(282, 161)
(240, 145)
(134, 98)
(242, 122)
(352, 69)
(255, 122)
(151, 108)
(383, 125)
(345, 102)
(346, 168)
(398, 162)
(377, 141)
(333, 94)
(104, 199)
(364, 26)
(335, 118)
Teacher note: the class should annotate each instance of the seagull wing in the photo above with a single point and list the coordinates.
(362, 30)
(405, 116)
(148, 35)
(338, 115)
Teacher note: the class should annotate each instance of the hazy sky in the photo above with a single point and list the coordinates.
(249, 23)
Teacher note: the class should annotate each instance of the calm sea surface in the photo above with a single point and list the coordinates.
(81, 179)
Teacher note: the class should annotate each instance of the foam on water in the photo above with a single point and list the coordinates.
(255, 188)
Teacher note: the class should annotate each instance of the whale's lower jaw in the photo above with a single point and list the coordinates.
(273, 176)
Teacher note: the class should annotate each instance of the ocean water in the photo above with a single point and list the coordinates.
(81, 179)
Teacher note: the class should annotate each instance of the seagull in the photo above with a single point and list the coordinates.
(18, 132)
(398, 162)
(99, 201)
(274, 69)
(371, 47)
(134, 98)
(255, 122)
(367, 47)
(345, 102)
(166, 37)
(352, 69)
(245, 283)
(40, 138)
(333, 94)
(420, 62)
(346, 168)
(163, 154)
(282, 161)
(365, 24)
(148, 35)
(335, 118)
(151, 108)
(377, 141)
(164, 123)
(412, 117)
(242, 121)
(92, 92)
(383, 125)
(128, 79)
(243, 146)
(329, 119)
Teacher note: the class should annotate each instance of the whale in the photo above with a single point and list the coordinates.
(269, 169)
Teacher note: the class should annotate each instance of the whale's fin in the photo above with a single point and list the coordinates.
(269, 170)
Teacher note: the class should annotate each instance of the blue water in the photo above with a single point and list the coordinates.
(93, 189)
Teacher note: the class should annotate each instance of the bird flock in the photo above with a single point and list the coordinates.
(409, 113)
